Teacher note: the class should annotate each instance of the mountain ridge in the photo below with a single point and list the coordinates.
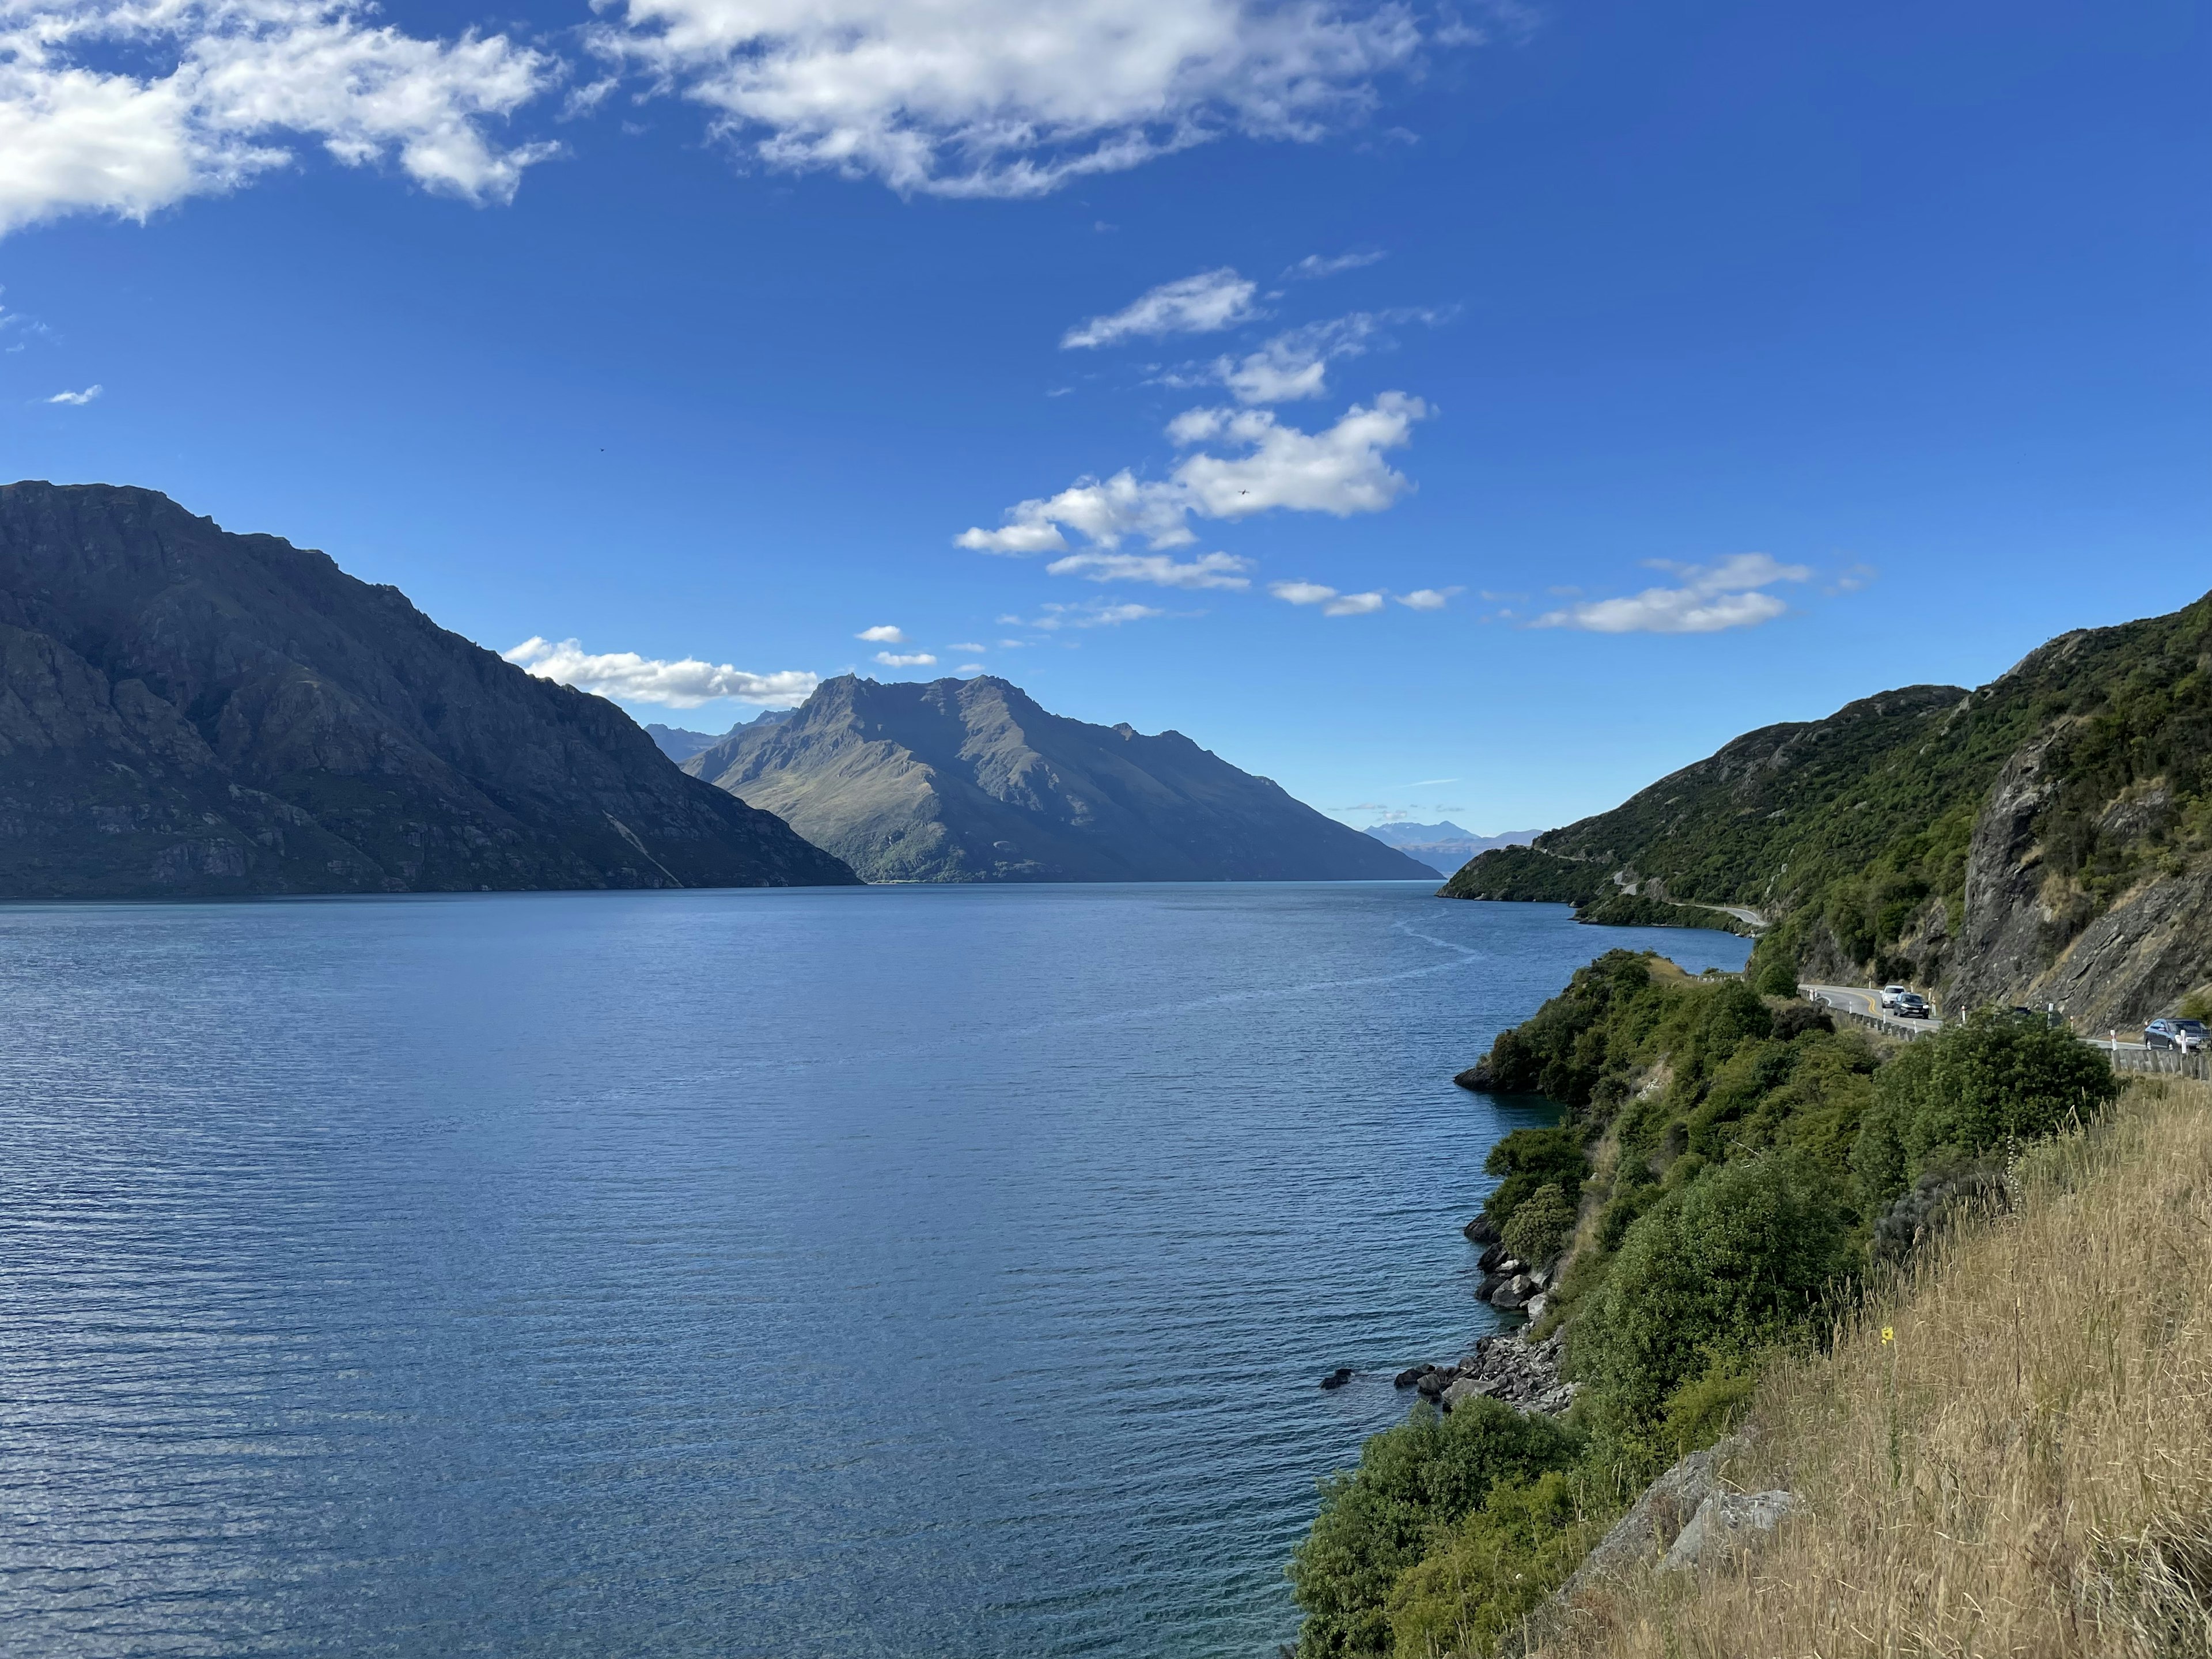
(186, 712)
(2045, 838)
(972, 779)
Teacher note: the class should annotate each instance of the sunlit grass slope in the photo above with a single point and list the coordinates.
(2010, 1452)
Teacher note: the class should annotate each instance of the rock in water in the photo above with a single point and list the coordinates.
(1337, 1378)
(191, 713)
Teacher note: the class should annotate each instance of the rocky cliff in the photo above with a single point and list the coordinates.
(185, 711)
(2045, 838)
(971, 780)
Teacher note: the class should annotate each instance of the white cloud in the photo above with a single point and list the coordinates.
(1852, 578)
(1091, 613)
(1203, 304)
(125, 107)
(906, 660)
(1208, 570)
(1339, 471)
(883, 635)
(684, 685)
(1426, 599)
(1007, 97)
(1332, 602)
(1729, 594)
(972, 649)
(78, 399)
(1316, 266)
(971, 668)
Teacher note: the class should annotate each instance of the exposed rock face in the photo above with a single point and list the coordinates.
(1508, 1367)
(1655, 1520)
(1726, 1523)
(971, 780)
(187, 712)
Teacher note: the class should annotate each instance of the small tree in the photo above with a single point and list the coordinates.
(1540, 1227)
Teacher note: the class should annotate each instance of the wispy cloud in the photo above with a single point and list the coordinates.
(1339, 470)
(1211, 301)
(1712, 598)
(76, 399)
(1316, 266)
(1208, 570)
(1332, 602)
(685, 683)
(1852, 578)
(1426, 599)
(972, 649)
(906, 659)
(882, 634)
(1090, 613)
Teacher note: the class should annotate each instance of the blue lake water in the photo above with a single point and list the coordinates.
(934, 1271)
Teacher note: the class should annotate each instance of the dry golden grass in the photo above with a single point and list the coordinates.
(2025, 1469)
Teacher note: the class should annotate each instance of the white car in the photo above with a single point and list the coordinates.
(1890, 994)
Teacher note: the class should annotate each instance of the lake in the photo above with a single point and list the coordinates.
(884, 1271)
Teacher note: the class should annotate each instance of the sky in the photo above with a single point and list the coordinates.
(1474, 412)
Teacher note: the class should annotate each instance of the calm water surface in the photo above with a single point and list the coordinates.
(905, 1271)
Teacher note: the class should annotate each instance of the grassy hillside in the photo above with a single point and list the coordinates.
(1728, 1173)
(1982, 1471)
(2012, 819)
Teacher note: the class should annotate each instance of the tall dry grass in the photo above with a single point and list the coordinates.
(2025, 1469)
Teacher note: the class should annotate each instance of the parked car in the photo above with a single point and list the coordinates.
(2188, 1035)
(1913, 1006)
(1890, 994)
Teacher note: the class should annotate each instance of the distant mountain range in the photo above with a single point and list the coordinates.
(970, 781)
(1444, 846)
(679, 745)
(188, 712)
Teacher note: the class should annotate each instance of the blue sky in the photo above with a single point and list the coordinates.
(1473, 412)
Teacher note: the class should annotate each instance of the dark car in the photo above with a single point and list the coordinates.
(2186, 1035)
(1913, 1006)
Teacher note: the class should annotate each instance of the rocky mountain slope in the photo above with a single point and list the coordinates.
(679, 744)
(2047, 837)
(187, 712)
(971, 780)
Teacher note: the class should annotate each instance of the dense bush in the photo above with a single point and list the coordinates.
(1490, 1570)
(1984, 1084)
(1734, 1263)
(1377, 1520)
(1530, 1160)
(1540, 1226)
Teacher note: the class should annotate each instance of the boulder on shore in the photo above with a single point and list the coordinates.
(1476, 1078)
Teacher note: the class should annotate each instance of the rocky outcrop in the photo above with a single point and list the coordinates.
(1725, 1525)
(1507, 1367)
(970, 780)
(1656, 1518)
(186, 712)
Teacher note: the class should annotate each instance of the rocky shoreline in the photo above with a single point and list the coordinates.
(1507, 1367)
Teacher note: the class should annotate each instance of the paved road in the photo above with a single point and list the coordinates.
(1741, 912)
(1861, 1000)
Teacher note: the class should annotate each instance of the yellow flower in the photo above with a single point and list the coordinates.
(1887, 1334)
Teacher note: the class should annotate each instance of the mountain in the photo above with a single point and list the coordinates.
(2045, 838)
(679, 745)
(187, 712)
(1443, 847)
(971, 780)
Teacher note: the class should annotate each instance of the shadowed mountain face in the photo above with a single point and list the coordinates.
(187, 712)
(970, 780)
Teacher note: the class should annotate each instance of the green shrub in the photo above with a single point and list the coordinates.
(1702, 1410)
(1379, 1519)
(1540, 1226)
(1777, 976)
(1734, 1263)
(1493, 1569)
(1530, 1160)
(1981, 1084)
